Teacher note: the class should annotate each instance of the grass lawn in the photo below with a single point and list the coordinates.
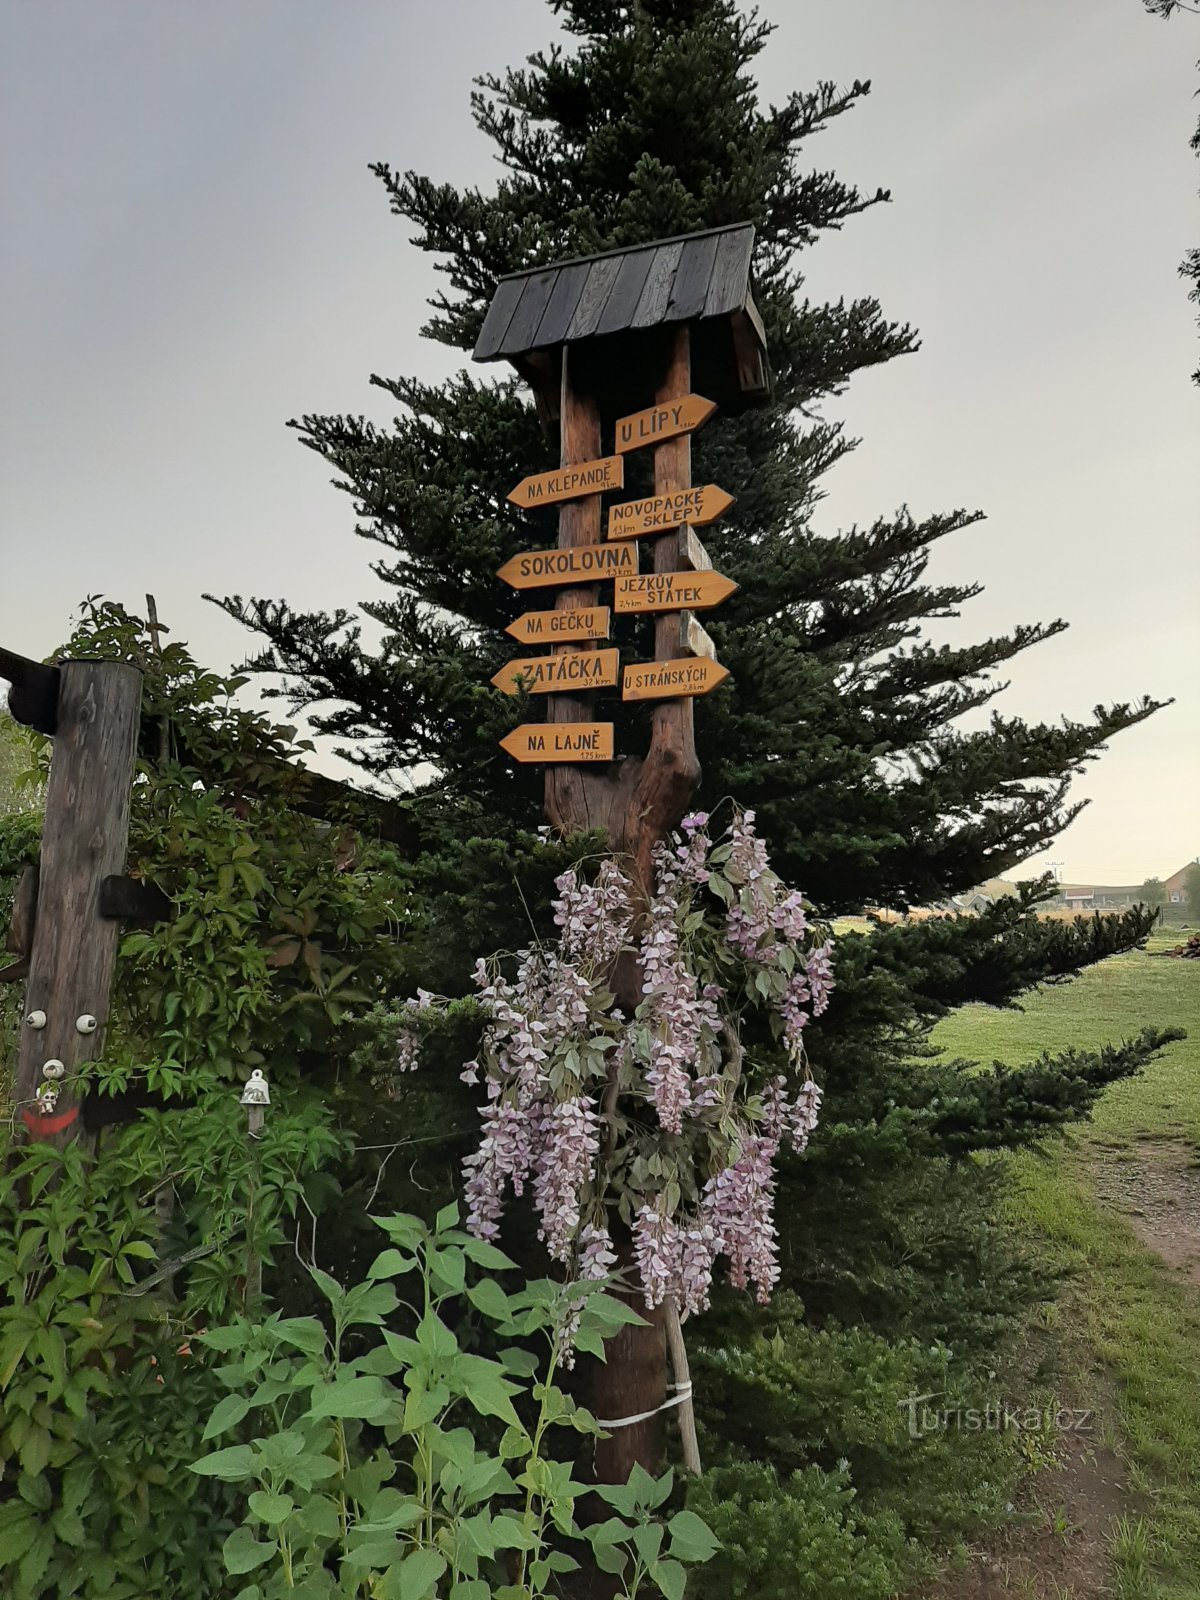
(1124, 1315)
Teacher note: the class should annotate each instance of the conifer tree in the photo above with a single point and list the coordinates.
(843, 726)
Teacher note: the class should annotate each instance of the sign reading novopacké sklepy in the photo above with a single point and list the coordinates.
(660, 513)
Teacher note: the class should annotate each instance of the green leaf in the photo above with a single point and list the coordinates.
(318, 1516)
(670, 1577)
(373, 1549)
(365, 1398)
(270, 1507)
(418, 1573)
(447, 1217)
(486, 1255)
(448, 1268)
(609, 1558)
(391, 1264)
(434, 1336)
(423, 1405)
(509, 1534)
(230, 1465)
(471, 1589)
(650, 1492)
(225, 1414)
(647, 1540)
(329, 1287)
(305, 1333)
(691, 1537)
(242, 1552)
(405, 1231)
(488, 1297)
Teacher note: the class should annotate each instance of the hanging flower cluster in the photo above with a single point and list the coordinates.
(662, 1116)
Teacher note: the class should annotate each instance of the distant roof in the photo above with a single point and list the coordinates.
(688, 278)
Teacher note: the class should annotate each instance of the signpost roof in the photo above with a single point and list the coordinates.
(699, 278)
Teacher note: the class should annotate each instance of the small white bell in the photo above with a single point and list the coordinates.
(86, 1023)
(36, 1019)
(53, 1069)
(256, 1092)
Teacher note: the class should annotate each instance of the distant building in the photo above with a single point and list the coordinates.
(1175, 885)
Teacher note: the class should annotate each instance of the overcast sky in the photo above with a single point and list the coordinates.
(193, 252)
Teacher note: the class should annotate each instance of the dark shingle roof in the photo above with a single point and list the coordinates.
(696, 276)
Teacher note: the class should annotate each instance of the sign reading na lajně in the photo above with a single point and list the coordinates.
(564, 672)
(560, 741)
(665, 421)
(629, 519)
(660, 680)
(584, 563)
(672, 591)
(570, 483)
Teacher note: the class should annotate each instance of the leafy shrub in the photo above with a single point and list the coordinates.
(439, 1484)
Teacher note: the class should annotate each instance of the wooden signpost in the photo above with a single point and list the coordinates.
(632, 519)
(566, 671)
(593, 337)
(560, 741)
(658, 680)
(534, 569)
(667, 421)
(555, 627)
(672, 591)
(569, 483)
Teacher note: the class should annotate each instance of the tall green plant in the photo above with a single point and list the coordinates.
(409, 1467)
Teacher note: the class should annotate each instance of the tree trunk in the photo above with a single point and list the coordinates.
(84, 840)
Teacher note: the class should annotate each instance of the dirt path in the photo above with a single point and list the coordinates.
(1156, 1188)
(1057, 1545)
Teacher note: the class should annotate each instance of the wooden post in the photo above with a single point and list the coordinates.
(84, 840)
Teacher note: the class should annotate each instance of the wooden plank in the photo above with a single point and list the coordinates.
(692, 553)
(656, 296)
(560, 741)
(19, 939)
(690, 289)
(534, 299)
(84, 840)
(626, 292)
(629, 519)
(33, 698)
(558, 627)
(656, 423)
(589, 563)
(729, 286)
(570, 483)
(560, 308)
(672, 591)
(564, 672)
(134, 900)
(672, 680)
(499, 315)
(602, 274)
(697, 641)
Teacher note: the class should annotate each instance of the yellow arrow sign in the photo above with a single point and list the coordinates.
(672, 591)
(586, 563)
(560, 741)
(665, 421)
(662, 512)
(660, 680)
(565, 672)
(555, 627)
(569, 483)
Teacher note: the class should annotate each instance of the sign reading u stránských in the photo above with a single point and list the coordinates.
(666, 680)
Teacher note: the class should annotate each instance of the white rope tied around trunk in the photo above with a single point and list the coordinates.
(685, 1393)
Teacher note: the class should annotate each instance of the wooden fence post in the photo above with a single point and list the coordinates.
(84, 840)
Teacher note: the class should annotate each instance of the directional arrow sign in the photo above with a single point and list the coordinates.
(586, 563)
(565, 672)
(662, 512)
(555, 627)
(560, 741)
(672, 591)
(684, 415)
(568, 483)
(660, 680)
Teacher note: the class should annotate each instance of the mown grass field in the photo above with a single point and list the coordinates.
(1125, 1320)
